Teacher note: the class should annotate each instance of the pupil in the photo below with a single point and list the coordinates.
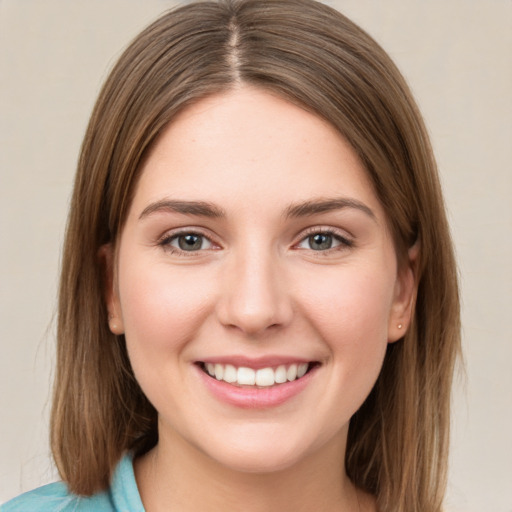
(320, 241)
(190, 242)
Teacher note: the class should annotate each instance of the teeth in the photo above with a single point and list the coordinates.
(280, 376)
(264, 377)
(219, 371)
(301, 370)
(291, 373)
(230, 373)
(246, 376)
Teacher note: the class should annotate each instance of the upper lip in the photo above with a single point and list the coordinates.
(256, 362)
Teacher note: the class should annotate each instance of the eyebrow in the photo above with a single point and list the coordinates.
(304, 209)
(199, 208)
(327, 205)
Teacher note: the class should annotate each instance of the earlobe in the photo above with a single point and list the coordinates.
(406, 288)
(106, 258)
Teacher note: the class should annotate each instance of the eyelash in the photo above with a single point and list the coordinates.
(344, 242)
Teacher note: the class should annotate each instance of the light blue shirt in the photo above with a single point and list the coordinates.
(122, 496)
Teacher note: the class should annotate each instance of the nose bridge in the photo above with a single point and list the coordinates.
(254, 295)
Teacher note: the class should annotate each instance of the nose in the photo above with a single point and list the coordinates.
(255, 296)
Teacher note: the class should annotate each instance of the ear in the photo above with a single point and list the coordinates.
(406, 288)
(106, 257)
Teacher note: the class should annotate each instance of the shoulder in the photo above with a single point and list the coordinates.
(56, 498)
(122, 495)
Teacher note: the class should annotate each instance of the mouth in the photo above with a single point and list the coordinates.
(246, 377)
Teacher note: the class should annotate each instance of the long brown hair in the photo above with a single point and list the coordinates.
(315, 57)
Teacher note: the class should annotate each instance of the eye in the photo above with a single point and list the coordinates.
(187, 242)
(324, 241)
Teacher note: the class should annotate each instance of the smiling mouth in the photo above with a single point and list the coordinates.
(257, 378)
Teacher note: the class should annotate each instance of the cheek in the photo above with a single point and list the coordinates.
(352, 320)
(352, 315)
(161, 309)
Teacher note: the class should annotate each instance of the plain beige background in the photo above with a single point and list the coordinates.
(456, 54)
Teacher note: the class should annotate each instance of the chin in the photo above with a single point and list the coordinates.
(261, 450)
(245, 460)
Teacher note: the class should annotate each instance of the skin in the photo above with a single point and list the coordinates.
(256, 286)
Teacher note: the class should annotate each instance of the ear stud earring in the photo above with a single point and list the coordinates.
(400, 326)
(113, 324)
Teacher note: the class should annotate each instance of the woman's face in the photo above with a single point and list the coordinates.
(255, 249)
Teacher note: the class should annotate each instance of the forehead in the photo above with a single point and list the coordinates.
(250, 145)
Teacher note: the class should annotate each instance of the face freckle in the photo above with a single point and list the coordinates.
(255, 240)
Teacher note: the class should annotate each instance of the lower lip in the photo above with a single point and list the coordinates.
(254, 397)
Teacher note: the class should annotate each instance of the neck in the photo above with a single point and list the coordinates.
(177, 476)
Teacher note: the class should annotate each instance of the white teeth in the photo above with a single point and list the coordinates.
(301, 370)
(291, 374)
(230, 373)
(219, 371)
(263, 377)
(246, 376)
(280, 376)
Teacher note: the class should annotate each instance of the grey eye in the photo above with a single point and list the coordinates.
(320, 241)
(324, 241)
(186, 242)
(190, 242)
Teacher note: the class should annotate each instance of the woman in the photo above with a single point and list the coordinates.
(258, 304)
